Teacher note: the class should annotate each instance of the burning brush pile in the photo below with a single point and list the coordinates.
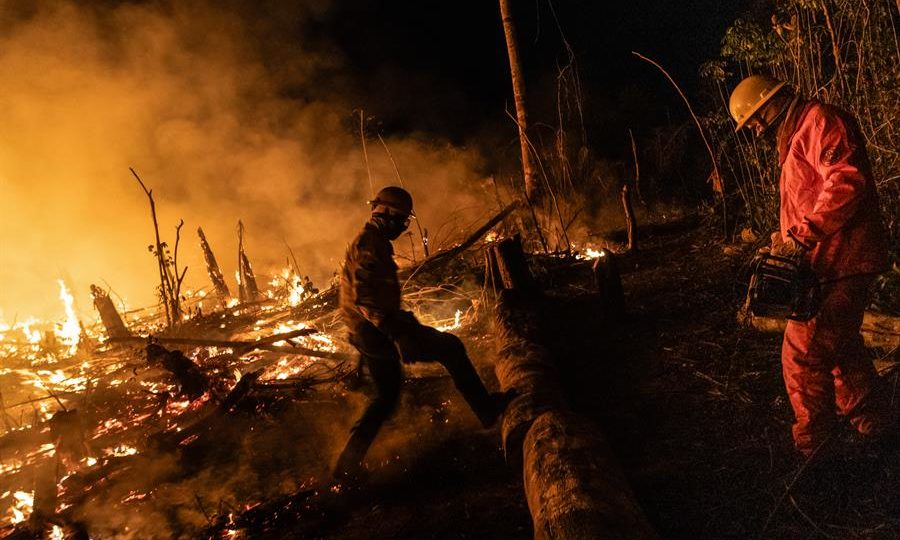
(134, 427)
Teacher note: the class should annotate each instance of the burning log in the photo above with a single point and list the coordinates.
(574, 487)
(248, 290)
(112, 321)
(192, 381)
(212, 267)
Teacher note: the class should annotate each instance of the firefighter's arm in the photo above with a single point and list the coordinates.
(836, 156)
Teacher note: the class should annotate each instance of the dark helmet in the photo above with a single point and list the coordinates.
(397, 199)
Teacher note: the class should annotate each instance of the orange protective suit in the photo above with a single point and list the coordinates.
(829, 204)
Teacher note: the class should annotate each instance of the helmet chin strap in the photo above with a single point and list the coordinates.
(767, 125)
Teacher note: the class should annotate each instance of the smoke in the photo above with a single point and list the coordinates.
(227, 111)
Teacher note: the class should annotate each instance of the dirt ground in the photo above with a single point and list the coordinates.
(693, 405)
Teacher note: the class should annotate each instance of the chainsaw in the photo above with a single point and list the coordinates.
(783, 287)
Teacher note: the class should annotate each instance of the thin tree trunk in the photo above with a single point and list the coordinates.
(518, 84)
(630, 221)
(160, 255)
(637, 169)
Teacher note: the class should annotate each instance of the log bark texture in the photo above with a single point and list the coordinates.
(573, 484)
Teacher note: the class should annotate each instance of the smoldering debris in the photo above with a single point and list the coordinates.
(186, 431)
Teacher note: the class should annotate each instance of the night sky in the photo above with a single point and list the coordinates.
(442, 67)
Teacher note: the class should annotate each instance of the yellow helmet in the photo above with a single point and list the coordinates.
(750, 95)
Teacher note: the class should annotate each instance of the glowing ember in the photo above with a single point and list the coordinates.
(457, 318)
(57, 533)
(289, 286)
(121, 450)
(23, 506)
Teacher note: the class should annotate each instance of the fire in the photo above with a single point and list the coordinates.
(457, 322)
(70, 331)
(23, 506)
(289, 286)
(122, 450)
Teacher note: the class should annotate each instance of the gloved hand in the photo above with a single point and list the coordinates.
(408, 348)
(790, 248)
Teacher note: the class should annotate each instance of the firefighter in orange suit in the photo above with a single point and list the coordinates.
(385, 335)
(830, 216)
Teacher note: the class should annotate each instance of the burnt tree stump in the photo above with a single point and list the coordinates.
(212, 268)
(112, 321)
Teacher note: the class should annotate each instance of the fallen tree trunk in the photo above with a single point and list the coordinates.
(878, 330)
(574, 487)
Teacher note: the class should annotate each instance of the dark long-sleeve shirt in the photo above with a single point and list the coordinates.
(370, 291)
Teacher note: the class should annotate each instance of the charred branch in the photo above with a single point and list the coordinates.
(112, 321)
(248, 290)
(241, 347)
(192, 382)
(212, 268)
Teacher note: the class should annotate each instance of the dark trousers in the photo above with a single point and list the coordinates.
(381, 358)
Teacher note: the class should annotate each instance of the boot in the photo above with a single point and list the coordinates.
(349, 467)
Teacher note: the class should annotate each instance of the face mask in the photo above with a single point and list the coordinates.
(391, 225)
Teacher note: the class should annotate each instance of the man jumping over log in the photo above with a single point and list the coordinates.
(385, 335)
